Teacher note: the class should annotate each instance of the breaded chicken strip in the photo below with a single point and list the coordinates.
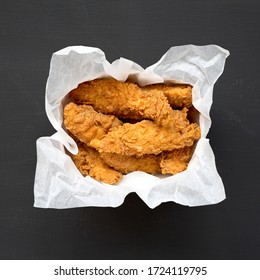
(176, 161)
(171, 162)
(88, 162)
(178, 95)
(123, 99)
(87, 124)
(145, 137)
(126, 164)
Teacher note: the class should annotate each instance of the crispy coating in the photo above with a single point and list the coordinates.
(123, 99)
(145, 137)
(89, 162)
(126, 164)
(87, 124)
(171, 162)
(178, 95)
(156, 136)
(176, 161)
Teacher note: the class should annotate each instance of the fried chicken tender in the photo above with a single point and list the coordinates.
(124, 99)
(178, 95)
(87, 124)
(176, 161)
(89, 162)
(171, 162)
(126, 164)
(145, 137)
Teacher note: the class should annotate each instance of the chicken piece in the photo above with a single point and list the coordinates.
(126, 164)
(176, 161)
(145, 137)
(179, 119)
(178, 95)
(87, 124)
(124, 100)
(89, 162)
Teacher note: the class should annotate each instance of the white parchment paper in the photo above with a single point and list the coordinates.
(59, 184)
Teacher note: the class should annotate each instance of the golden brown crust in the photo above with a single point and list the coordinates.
(123, 99)
(154, 138)
(145, 137)
(178, 95)
(87, 124)
(89, 162)
(125, 164)
(176, 161)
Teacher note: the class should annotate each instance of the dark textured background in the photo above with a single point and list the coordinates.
(140, 30)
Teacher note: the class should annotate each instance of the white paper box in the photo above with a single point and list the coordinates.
(59, 184)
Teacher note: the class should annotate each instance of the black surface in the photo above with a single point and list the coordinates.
(30, 31)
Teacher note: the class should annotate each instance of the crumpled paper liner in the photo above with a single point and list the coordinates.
(59, 184)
